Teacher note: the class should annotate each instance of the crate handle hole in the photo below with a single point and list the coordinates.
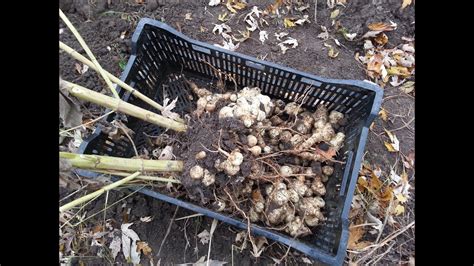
(255, 65)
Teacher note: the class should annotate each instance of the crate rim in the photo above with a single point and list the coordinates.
(324, 257)
(365, 84)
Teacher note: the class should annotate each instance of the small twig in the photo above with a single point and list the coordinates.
(111, 205)
(315, 12)
(399, 95)
(189, 216)
(220, 73)
(129, 138)
(243, 214)
(406, 125)
(142, 177)
(381, 244)
(167, 231)
(79, 189)
(74, 215)
(211, 234)
(97, 193)
(379, 257)
(87, 123)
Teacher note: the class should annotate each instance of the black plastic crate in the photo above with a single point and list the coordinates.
(161, 55)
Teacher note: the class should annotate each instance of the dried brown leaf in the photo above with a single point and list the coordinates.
(143, 246)
(383, 114)
(381, 26)
(405, 3)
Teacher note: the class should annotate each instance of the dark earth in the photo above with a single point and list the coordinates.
(101, 23)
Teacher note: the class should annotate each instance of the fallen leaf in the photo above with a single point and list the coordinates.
(368, 45)
(323, 35)
(381, 39)
(245, 36)
(69, 110)
(301, 8)
(405, 3)
(288, 43)
(375, 183)
(394, 177)
(143, 246)
(375, 64)
(373, 219)
(223, 17)
(381, 26)
(301, 21)
(355, 234)
(331, 3)
(252, 23)
(122, 35)
(371, 34)
(350, 36)
(288, 23)
(167, 153)
(129, 243)
(221, 28)
(333, 53)
(115, 246)
(408, 87)
(258, 247)
(230, 7)
(401, 198)
(204, 237)
(78, 68)
(203, 29)
(263, 35)
(383, 114)
(334, 13)
(394, 146)
(273, 8)
(395, 81)
(187, 16)
(146, 219)
(399, 209)
(214, 2)
(77, 138)
(357, 202)
(167, 107)
(399, 71)
(409, 161)
(228, 44)
(280, 35)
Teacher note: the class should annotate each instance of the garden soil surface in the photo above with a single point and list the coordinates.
(102, 24)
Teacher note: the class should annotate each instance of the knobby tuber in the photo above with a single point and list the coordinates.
(274, 155)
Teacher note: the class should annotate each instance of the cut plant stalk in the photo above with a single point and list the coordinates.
(143, 177)
(97, 193)
(88, 52)
(116, 80)
(122, 106)
(91, 162)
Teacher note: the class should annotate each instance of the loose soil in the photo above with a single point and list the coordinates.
(102, 24)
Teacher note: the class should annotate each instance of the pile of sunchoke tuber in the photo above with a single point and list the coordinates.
(273, 157)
